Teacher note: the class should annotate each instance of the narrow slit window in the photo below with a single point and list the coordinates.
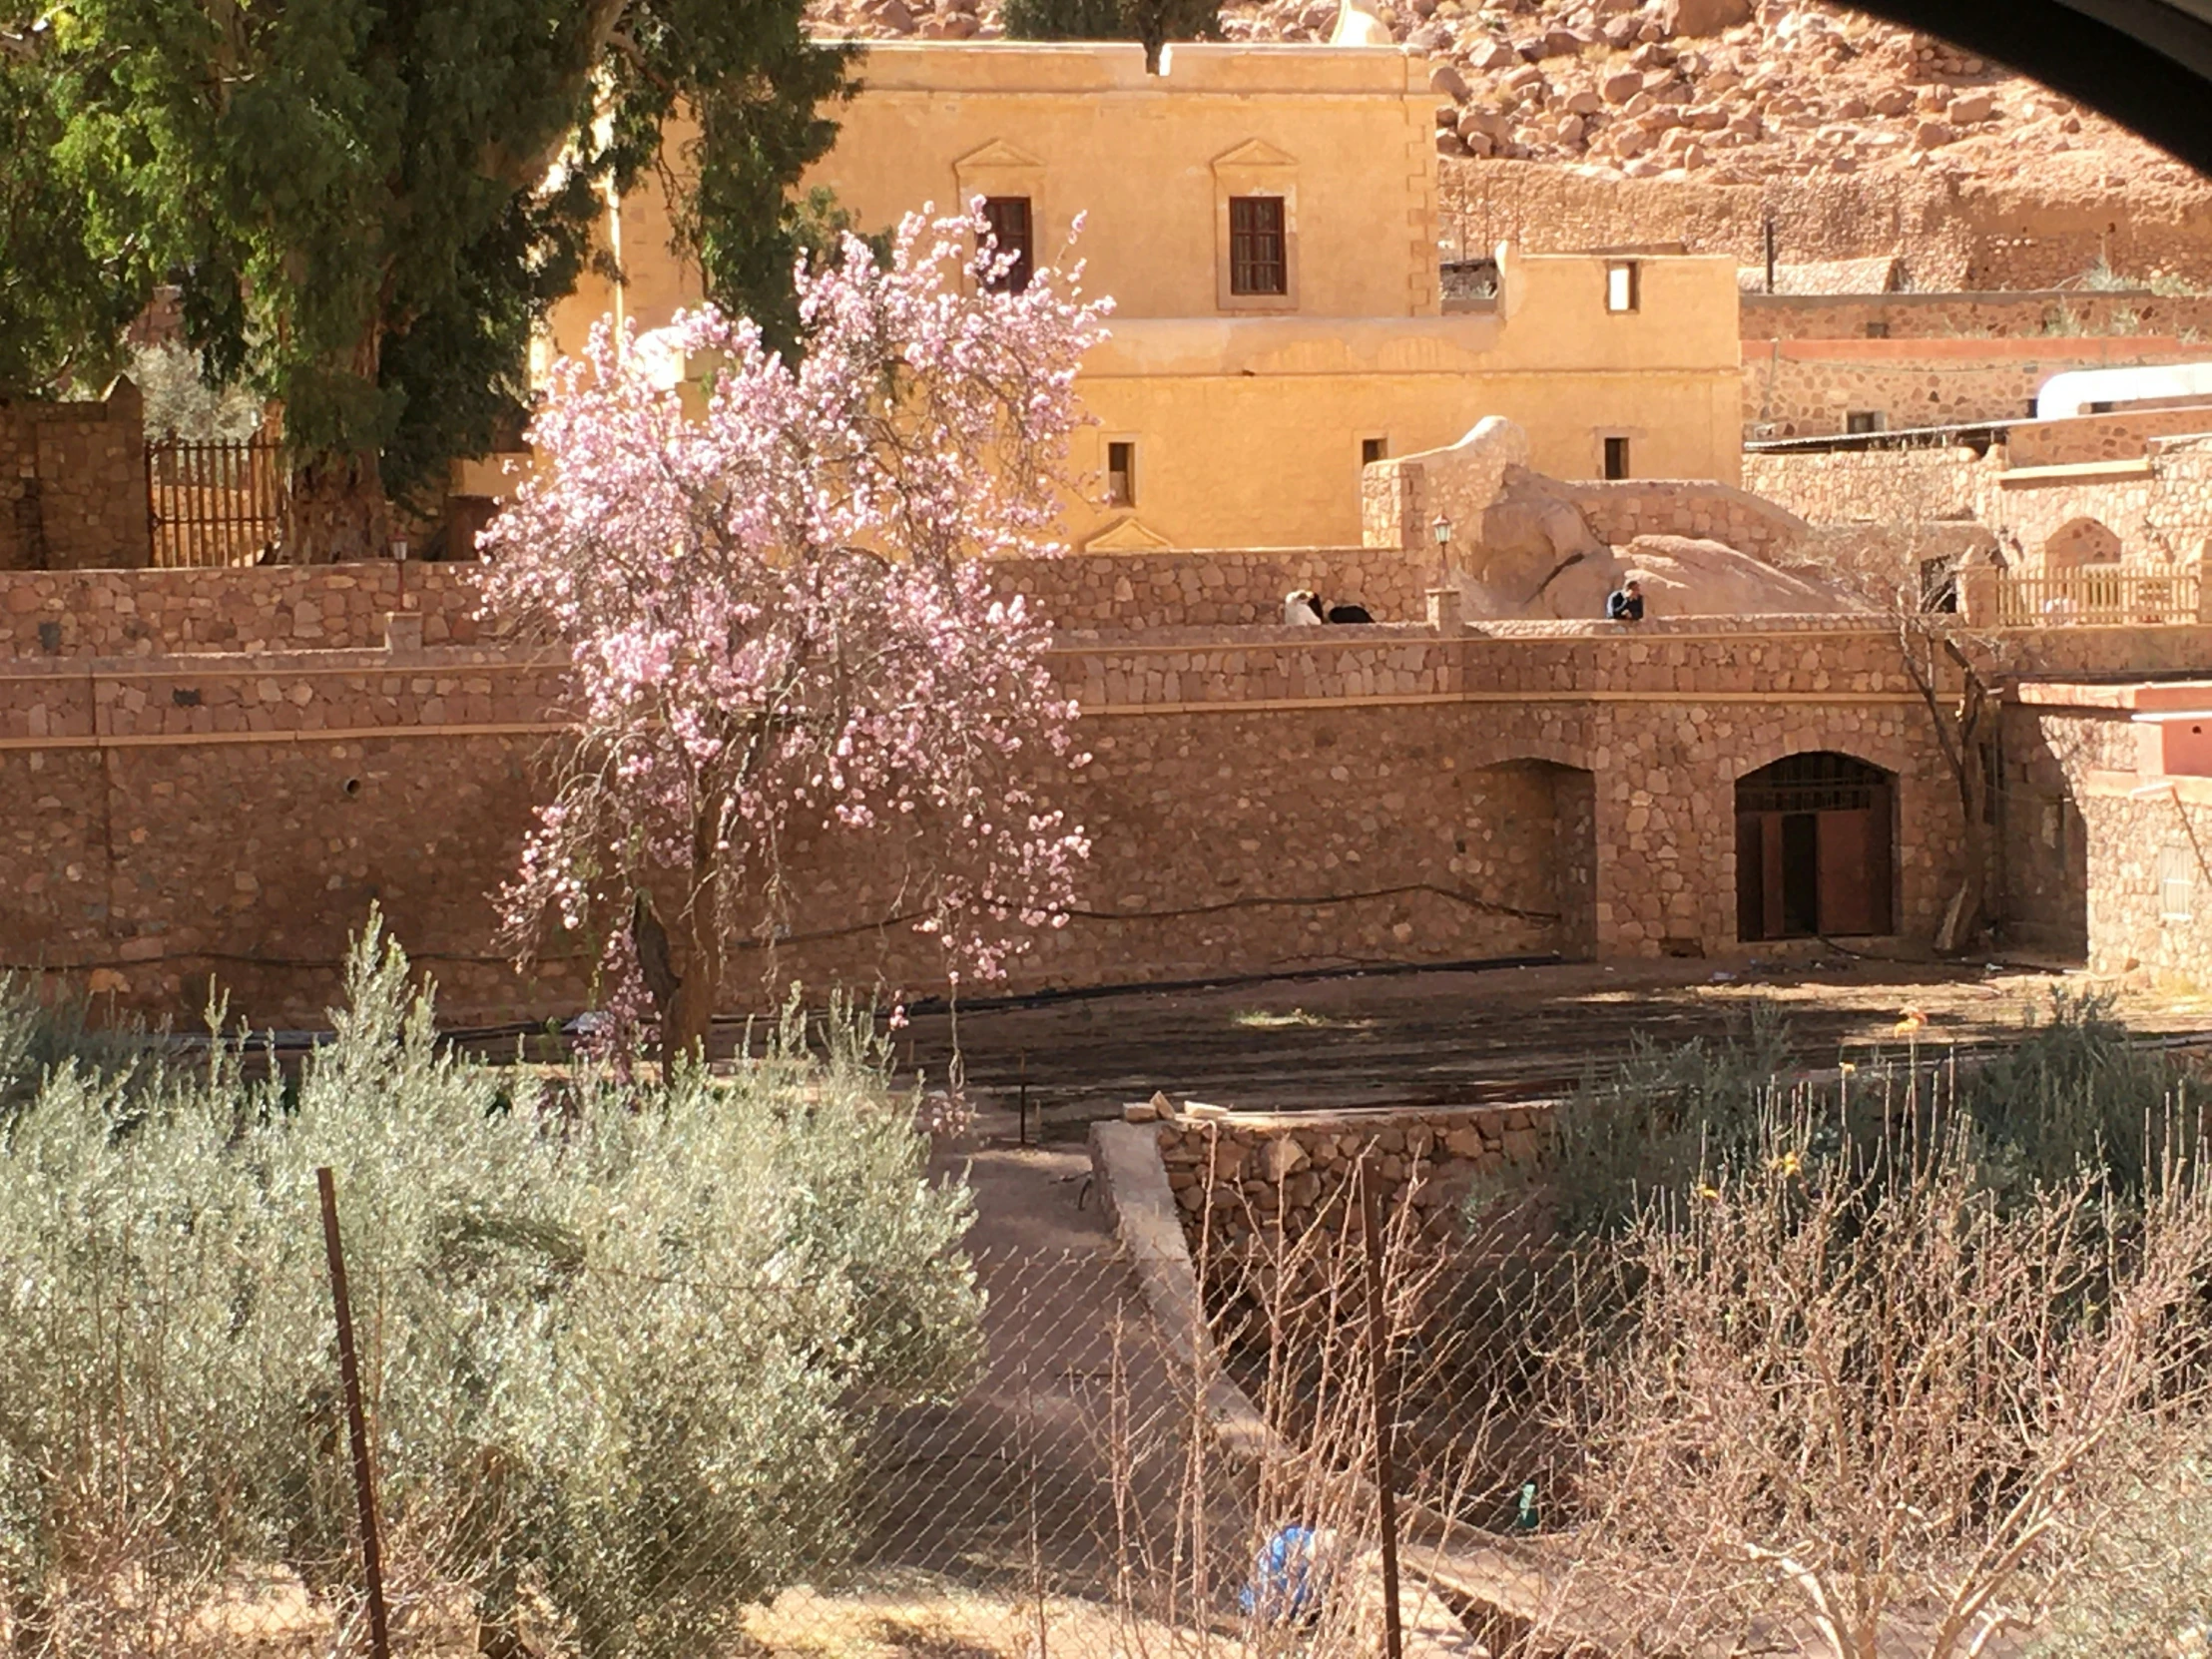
(1010, 219)
(1259, 256)
(1121, 475)
(1621, 286)
(1373, 450)
(1616, 457)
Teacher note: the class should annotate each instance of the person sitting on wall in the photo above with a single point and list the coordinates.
(1349, 612)
(1626, 602)
(1302, 609)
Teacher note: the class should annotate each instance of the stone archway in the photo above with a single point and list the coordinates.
(1816, 848)
(2078, 542)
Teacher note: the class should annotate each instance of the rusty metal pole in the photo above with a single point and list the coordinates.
(357, 1422)
(1385, 1410)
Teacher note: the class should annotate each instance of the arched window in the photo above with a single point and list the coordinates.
(1815, 848)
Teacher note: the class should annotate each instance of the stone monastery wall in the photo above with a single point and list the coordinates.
(1261, 798)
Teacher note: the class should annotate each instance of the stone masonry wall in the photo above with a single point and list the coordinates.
(2150, 885)
(1806, 388)
(147, 613)
(1869, 486)
(2178, 516)
(1261, 798)
(1251, 1172)
(73, 483)
(2049, 314)
(2099, 438)
(1198, 589)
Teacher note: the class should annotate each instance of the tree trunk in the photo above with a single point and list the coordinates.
(686, 1021)
(1962, 918)
(339, 512)
(687, 1015)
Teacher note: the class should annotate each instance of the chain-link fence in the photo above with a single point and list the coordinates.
(582, 1461)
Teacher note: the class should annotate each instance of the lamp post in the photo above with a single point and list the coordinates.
(1441, 528)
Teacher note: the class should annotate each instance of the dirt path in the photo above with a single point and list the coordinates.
(1059, 1468)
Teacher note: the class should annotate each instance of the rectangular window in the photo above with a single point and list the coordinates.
(1621, 286)
(1258, 260)
(2173, 884)
(1865, 420)
(1878, 331)
(1121, 475)
(1616, 457)
(1009, 222)
(1373, 450)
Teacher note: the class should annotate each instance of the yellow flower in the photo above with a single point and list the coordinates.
(1910, 1022)
(1787, 1164)
(1711, 1194)
(1847, 1068)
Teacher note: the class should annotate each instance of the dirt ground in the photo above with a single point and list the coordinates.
(1451, 1037)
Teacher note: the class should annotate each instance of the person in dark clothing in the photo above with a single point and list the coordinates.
(1349, 612)
(1626, 603)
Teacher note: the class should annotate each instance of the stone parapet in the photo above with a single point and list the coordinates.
(151, 613)
(1183, 588)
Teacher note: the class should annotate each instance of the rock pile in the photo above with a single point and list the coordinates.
(1719, 89)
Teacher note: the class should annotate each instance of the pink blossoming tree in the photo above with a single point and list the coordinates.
(773, 581)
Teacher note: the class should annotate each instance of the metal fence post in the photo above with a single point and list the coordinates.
(1386, 1408)
(357, 1422)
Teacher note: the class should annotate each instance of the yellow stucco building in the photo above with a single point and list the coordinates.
(1265, 218)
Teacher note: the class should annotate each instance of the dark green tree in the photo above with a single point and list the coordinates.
(1155, 22)
(368, 204)
(63, 308)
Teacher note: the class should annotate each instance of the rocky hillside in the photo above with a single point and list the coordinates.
(1713, 89)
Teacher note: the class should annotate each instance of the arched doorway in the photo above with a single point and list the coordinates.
(1815, 848)
(2078, 542)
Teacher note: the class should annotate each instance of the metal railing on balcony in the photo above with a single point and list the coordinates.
(2097, 594)
(215, 502)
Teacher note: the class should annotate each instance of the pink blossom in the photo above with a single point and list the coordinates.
(773, 587)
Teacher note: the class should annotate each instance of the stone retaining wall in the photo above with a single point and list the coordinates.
(1250, 1171)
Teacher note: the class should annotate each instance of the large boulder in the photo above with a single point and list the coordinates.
(1527, 536)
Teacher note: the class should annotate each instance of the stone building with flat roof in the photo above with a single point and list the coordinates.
(1266, 222)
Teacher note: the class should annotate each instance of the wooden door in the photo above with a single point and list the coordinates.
(1751, 884)
(1855, 869)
